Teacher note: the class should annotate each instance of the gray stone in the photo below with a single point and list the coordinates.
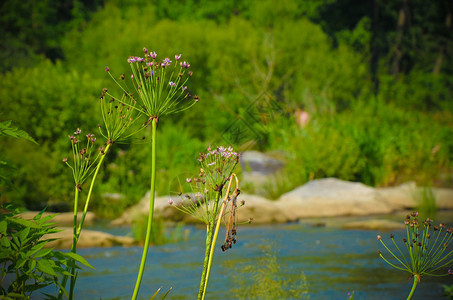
(258, 167)
(332, 197)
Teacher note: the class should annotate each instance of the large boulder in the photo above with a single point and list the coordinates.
(399, 197)
(261, 210)
(161, 207)
(87, 239)
(409, 196)
(332, 197)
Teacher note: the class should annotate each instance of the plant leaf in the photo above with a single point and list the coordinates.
(79, 259)
(43, 252)
(44, 266)
(25, 223)
(8, 130)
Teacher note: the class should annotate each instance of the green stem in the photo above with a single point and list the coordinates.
(416, 279)
(85, 210)
(209, 233)
(74, 243)
(214, 239)
(151, 211)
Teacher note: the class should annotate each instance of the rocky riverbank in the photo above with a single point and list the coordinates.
(323, 199)
(329, 197)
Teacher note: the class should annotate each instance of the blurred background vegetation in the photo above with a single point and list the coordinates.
(375, 77)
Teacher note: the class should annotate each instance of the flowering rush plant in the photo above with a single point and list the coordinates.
(426, 251)
(204, 201)
(156, 88)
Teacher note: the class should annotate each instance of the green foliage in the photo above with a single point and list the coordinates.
(294, 55)
(49, 102)
(6, 129)
(264, 279)
(24, 258)
(374, 143)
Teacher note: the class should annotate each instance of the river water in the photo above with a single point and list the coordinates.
(326, 262)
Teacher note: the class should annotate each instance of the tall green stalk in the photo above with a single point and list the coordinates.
(210, 250)
(151, 211)
(416, 279)
(82, 220)
(78, 229)
(209, 234)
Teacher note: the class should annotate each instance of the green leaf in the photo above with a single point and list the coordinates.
(43, 252)
(79, 259)
(4, 242)
(20, 262)
(16, 296)
(36, 248)
(25, 223)
(45, 266)
(23, 235)
(32, 264)
(8, 130)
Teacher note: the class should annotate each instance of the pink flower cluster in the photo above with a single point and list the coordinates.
(152, 55)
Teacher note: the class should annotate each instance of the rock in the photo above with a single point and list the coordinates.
(408, 196)
(262, 210)
(87, 239)
(332, 197)
(258, 167)
(444, 198)
(376, 224)
(161, 207)
(62, 219)
(399, 197)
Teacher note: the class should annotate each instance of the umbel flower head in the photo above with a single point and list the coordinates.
(206, 189)
(426, 248)
(83, 158)
(217, 165)
(121, 120)
(159, 86)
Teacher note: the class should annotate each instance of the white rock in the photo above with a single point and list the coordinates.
(332, 197)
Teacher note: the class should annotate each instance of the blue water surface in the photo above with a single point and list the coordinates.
(334, 261)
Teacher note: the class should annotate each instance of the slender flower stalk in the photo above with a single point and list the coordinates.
(156, 88)
(226, 199)
(426, 250)
(205, 202)
(82, 167)
(120, 124)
